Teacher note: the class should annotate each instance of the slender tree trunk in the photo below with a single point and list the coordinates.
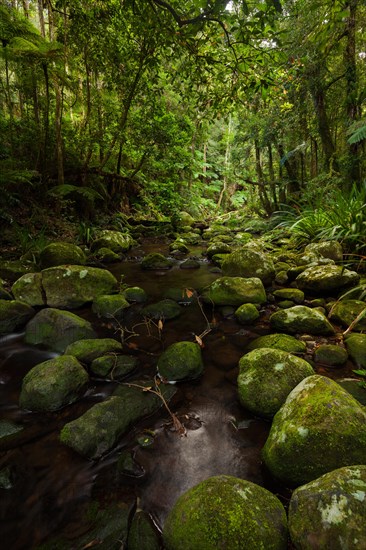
(272, 177)
(58, 128)
(41, 18)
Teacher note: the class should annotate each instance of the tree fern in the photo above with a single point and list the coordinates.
(357, 132)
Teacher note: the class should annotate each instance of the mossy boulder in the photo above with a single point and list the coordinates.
(116, 241)
(246, 314)
(184, 219)
(4, 294)
(11, 270)
(224, 512)
(165, 309)
(72, 286)
(326, 278)
(326, 249)
(53, 384)
(330, 511)
(249, 263)
(356, 347)
(113, 366)
(190, 263)
(98, 430)
(87, 350)
(234, 291)
(56, 329)
(61, 254)
(107, 256)
(330, 354)
(156, 261)
(142, 534)
(218, 248)
(29, 289)
(284, 342)
(266, 377)
(135, 294)
(294, 294)
(110, 306)
(181, 361)
(355, 388)
(179, 246)
(301, 319)
(320, 427)
(345, 312)
(14, 314)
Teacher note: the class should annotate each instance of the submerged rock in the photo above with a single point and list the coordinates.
(249, 263)
(301, 319)
(87, 350)
(14, 314)
(266, 377)
(234, 291)
(165, 309)
(61, 254)
(53, 384)
(320, 427)
(181, 361)
(284, 342)
(326, 278)
(229, 513)
(330, 511)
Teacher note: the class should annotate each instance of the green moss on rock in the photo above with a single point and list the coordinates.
(332, 355)
(356, 347)
(345, 312)
(180, 361)
(234, 291)
(278, 341)
(301, 319)
(61, 254)
(87, 350)
(249, 263)
(28, 288)
(110, 306)
(165, 309)
(113, 366)
(246, 314)
(156, 261)
(14, 314)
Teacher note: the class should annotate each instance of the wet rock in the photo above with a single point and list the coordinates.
(246, 314)
(320, 427)
(135, 294)
(267, 376)
(234, 291)
(301, 319)
(249, 263)
(330, 511)
(6, 478)
(87, 350)
(110, 306)
(72, 286)
(4, 294)
(127, 465)
(14, 314)
(109, 527)
(56, 329)
(326, 278)
(179, 245)
(142, 534)
(61, 254)
(293, 294)
(53, 384)
(281, 278)
(12, 270)
(331, 355)
(226, 512)
(190, 263)
(284, 342)
(356, 347)
(29, 289)
(218, 248)
(116, 241)
(165, 309)
(181, 361)
(326, 249)
(156, 261)
(98, 430)
(345, 312)
(184, 219)
(107, 256)
(183, 296)
(113, 366)
(286, 304)
(8, 428)
(355, 388)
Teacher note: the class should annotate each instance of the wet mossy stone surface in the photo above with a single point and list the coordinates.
(326, 249)
(98, 430)
(319, 428)
(53, 384)
(142, 534)
(156, 261)
(107, 255)
(114, 240)
(326, 278)
(14, 314)
(284, 342)
(135, 294)
(165, 309)
(355, 388)
(224, 512)
(113, 366)
(332, 355)
(28, 288)
(249, 263)
(87, 350)
(294, 294)
(302, 320)
(330, 511)
(345, 312)
(61, 254)
(246, 314)
(56, 329)
(72, 286)
(181, 361)
(266, 377)
(218, 248)
(11, 270)
(356, 347)
(110, 306)
(234, 291)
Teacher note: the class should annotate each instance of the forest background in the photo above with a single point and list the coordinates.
(150, 107)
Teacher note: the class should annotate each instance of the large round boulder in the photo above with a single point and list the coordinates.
(326, 249)
(114, 240)
(28, 288)
(87, 350)
(320, 427)
(224, 512)
(302, 320)
(249, 263)
(181, 361)
(61, 254)
(330, 511)
(278, 341)
(326, 278)
(53, 384)
(156, 261)
(110, 306)
(346, 312)
(356, 347)
(234, 291)
(266, 377)
(14, 314)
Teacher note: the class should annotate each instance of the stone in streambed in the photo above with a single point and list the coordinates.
(116, 241)
(113, 366)
(234, 291)
(29, 289)
(110, 306)
(284, 342)
(87, 350)
(249, 263)
(181, 361)
(14, 314)
(301, 319)
(142, 534)
(246, 314)
(326, 278)
(61, 254)
(356, 347)
(346, 312)
(165, 309)
(331, 355)
(135, 294)
(156, 261)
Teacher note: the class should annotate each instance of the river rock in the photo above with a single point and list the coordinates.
(4, 294)
(356, 347)
(320, 427)
(11, 270)
(14, 314)
(266, 377)
(284, 342)
(53, 384)
(293, 294)
(229, 513)
(142, 534)
(29, 289)
(330, 511)
(249, 263)
(326, 249)
(107, 256)
(156, 261)
(332, 355)
(86, 350)
(114, 240)
(135, 294)
(181, 361)
(113, 366)
(355, 388)
(234, 291)
(61, 254)
(72, 286)
(98, 430)
(184, 219)
(165, 309)
(301, 319)
(346, 311)
(246, 314)
(110, 306)
(218, 248)
(56, 329)
(326, 278)
(179, 246)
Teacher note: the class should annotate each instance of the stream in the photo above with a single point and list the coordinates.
(51, 487)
